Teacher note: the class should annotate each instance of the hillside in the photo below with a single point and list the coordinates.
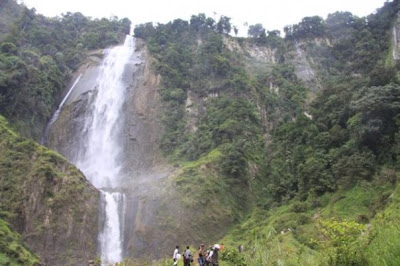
(38, 56)
(294, 128)
(286, 145)
(13, 252)
(47, 201)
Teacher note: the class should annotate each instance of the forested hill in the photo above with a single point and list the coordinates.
(306, 134)
(303, 127)
(288, 145)
(46, 204)
(38, 56)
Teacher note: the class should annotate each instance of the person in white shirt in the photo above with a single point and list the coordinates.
(176, 255)
(213, 256)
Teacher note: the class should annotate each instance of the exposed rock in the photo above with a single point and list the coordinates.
(260, 53)
(194, 106)
(50, 202)
(396, 38)
(154, 211)
(142, 163)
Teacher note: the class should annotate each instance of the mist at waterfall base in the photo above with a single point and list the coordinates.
(98, 159)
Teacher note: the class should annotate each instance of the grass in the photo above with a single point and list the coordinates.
(34, 176)
(12, 250)
(384, 248)
(211, 157)
(291, 234)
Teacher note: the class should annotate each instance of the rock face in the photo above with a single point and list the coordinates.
(142, 116)
(153, 211)
(142, 165)
(47, 200)
(396, 38)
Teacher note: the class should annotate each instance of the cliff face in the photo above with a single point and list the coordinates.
(47, 200)
(396, 39)
(142, 165)
(155, 211)
(12, 249)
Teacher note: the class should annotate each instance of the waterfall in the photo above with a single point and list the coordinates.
(110, 238)
(59, 109)
(99, 158)
(395, 52)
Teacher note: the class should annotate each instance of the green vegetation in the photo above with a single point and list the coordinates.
(284, 148)
(12, 250)
(323, 233)
(37, 57)
(300, 171)
(36, 188)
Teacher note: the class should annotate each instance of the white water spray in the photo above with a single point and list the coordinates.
(99, 160)
(111, 236)
(59, 109)
(395, 51)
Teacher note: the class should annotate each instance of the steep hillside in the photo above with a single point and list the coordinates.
(13, 252)
(270, 121)
(10, 12)
(341, 228)
(37, 57)
(287, 145)
(48, 201)
(142, 164)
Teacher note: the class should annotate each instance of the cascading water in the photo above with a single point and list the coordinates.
(99, 158)
(110, 238)
(109, 128)
(59, 109)
(395, 51)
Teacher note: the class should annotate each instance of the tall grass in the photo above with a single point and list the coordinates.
(384, 248)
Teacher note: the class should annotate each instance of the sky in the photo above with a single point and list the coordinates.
(273, 15)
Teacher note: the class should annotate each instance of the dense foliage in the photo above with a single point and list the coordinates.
(241, 127)
(192, 59)
(37, 57)
(298, 145)
(355, 123)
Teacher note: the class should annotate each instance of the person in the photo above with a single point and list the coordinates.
(207, 257)
(176, 255)
(202, 255)
(187, 258)
(213, 256)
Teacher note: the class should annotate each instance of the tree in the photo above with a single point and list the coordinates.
(144, 30)
(310, 27)
(340, 242)
(8, 48)
(340, 24)
(274, 33)
(197, 22)
(210, 22)
(236, 30)
(256, 30)
(224, 25)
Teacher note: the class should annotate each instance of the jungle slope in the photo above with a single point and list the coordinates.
(46, 200)
(13, 252)
(38, 56)
(288, 126)
(280, 126)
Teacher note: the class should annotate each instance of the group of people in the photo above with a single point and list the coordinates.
(205, 257)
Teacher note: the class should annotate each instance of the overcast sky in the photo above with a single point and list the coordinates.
(272, 14)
